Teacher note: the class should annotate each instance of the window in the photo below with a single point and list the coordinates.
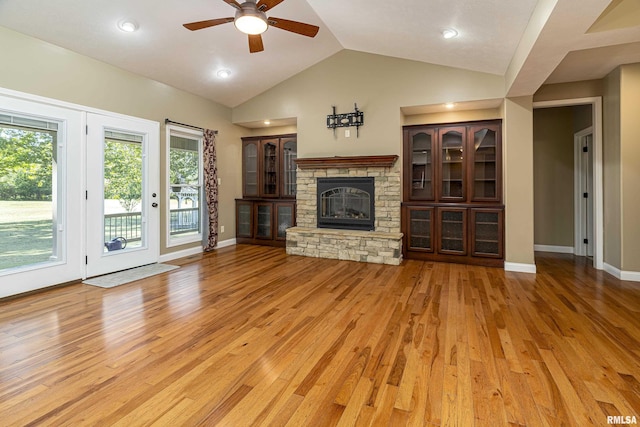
(29, 193)
(184, 215)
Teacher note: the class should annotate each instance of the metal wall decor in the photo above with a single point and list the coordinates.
(356, 118)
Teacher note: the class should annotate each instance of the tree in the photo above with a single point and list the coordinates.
(26, 159)
(123, 173)
(184, 167)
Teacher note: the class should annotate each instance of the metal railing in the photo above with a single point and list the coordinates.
(185, 220)
(129, 225)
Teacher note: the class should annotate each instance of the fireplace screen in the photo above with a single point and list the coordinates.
(346, 203)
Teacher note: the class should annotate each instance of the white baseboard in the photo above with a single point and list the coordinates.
(632, 276)
(180, 254)
(193, 251)
(520, 268)
(554, 249)
(225, 243)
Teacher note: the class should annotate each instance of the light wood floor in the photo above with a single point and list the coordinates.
(249, 336)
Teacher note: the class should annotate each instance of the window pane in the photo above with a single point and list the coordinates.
(185, 190)
(184, 162)
(28, 195)
(122, 194)
(184, 211)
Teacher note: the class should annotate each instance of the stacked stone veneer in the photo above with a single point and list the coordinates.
(383, 245)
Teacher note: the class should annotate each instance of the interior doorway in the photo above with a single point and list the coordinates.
(594, 181)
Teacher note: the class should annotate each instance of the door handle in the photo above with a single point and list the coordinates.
(154, 204)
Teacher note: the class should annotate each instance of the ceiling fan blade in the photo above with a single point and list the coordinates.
(233, 3)
(255, 43)
(265, 5)
(294, 26)
(206, 24)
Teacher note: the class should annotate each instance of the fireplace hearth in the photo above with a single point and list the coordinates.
(346, 203)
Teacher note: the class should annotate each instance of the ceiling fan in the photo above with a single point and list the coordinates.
(251, 19)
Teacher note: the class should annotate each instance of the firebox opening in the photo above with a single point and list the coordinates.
(346, 203)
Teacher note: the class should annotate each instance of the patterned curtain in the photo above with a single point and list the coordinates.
(211, 188)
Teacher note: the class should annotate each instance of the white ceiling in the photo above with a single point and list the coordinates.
(490, 31)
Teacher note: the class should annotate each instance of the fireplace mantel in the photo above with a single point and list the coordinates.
(346, 162)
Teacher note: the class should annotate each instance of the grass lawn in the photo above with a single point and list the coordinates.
(26, 236)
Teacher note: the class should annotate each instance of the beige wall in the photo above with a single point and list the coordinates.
(630, 168)
(518, 179)
(277, 130)
(611, 170)
(33, 66)
(573, 90)
(582, 117)
(379, 85)
(452, 117)
(553, 153)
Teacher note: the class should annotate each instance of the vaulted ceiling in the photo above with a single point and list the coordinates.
(529, 41)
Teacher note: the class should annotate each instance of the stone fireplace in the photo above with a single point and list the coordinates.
(341, 179)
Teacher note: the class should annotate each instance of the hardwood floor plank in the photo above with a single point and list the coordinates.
(247, 335)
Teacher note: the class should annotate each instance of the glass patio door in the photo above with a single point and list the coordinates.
(40, 203)
(123, 194)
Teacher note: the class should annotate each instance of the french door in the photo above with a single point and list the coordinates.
(122, 197)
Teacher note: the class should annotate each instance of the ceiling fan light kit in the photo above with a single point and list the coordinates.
(251, 19)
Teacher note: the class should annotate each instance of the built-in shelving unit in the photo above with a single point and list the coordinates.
(267, 207)
(452, 191)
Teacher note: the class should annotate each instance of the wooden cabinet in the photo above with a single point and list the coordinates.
(451, 165)
(268, 166)
(418, 164)
(420, 226)
(244, 219)
(485, 163)
(486, 232)
(452, 190)
(452, 231)
(263, 222)
(250, 149)
(268, 206)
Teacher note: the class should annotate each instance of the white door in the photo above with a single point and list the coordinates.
(123, 175)
(587, 172)
(584, 194)
(40, 195)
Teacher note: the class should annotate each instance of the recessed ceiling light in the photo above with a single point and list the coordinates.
(224, 74)
(449, 105)
(128, 25)
(267, 122)
(449, 33)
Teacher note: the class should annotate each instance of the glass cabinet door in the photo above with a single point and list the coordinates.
(485, 164)
(453, 231)
(244, 217)
(284, 219)
(452, 170)
(486, 231)
(264, 218)
(250, 168)
(289, 155)
(270, 168)
(420, 232)
(421, 167)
